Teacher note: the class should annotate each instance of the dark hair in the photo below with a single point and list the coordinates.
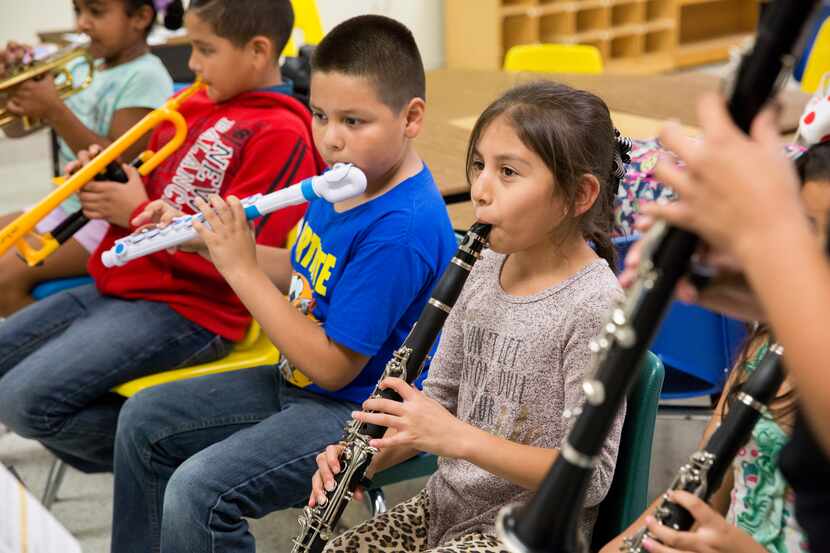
(132, 6)
(571, 131)
(380, 49)
(241, 20)
(814, 164)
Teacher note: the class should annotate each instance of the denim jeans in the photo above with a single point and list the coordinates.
(194, 458)
(61, 356)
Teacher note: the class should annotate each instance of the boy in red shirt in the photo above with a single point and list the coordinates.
(60, 357)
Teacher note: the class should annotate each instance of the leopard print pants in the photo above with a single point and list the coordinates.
(403, 529)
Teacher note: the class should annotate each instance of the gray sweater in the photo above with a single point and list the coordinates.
(514, 366)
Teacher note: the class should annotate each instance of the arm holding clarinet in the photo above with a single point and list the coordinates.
(784, 262)
(712, 532)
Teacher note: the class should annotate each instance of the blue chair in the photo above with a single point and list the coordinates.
(696, 345)
(46, 289)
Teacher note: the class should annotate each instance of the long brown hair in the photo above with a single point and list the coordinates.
(571, 131)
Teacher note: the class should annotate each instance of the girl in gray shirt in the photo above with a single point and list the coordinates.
(544, 166)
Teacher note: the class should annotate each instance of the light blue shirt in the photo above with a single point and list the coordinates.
(141, 83)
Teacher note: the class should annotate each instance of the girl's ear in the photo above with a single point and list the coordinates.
(586, 194)
(143, 18)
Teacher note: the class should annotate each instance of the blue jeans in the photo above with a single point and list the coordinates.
(193, 458)
(61, 356)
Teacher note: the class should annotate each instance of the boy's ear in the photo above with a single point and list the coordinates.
(414, 117)
(586, 194)
(263, 50)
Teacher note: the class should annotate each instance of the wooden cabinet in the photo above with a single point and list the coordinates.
(632, 35)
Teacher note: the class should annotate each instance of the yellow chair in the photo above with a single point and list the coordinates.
(306, 19)
(255, 350)
(554, 58)
(819, 61)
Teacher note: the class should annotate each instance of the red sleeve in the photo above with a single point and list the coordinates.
(269, 163)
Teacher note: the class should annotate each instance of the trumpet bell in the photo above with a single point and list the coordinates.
(58, 67)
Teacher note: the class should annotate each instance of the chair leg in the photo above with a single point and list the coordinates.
(53, 483)
(375, 501)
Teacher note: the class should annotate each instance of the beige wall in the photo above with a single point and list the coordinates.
(20, 19)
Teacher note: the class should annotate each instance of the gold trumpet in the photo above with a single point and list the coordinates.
(22, 230)
(55, 65)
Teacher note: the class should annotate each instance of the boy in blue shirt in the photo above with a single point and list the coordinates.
(195, 458)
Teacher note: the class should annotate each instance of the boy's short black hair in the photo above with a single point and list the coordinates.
(379, 48)
(814, 164)
(241, 20)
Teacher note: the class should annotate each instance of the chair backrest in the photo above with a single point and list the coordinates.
(307, 20)
(554, 58)
(628, 496)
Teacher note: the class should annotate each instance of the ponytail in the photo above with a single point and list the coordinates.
(174, 15)
(599, 229)
(173, 11)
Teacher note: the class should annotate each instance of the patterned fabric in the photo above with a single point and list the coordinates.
(639, 184)
(404, 530)
(762, 504)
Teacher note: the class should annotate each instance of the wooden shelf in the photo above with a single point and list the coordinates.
(665, 34)
(708, 51)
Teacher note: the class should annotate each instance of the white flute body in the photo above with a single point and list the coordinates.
(342, 182)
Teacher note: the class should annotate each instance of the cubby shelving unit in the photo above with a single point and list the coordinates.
(635, 35)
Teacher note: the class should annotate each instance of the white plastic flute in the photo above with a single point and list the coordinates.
(342, 182)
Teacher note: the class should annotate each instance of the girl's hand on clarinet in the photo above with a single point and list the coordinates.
(711, 533)
(328, 465)
(736, 189)
(229, 239)
(420, 421)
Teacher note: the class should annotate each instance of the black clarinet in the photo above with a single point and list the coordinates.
(317, 524)
(548, 523)
(704, 472)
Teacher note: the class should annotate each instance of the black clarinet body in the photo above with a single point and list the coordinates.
(548, 523)
(317, 524)
(704, 472)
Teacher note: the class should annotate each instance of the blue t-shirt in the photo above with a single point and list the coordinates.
(365, 274)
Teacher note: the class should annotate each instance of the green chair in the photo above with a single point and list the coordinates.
(421, 465)
(628, 496)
